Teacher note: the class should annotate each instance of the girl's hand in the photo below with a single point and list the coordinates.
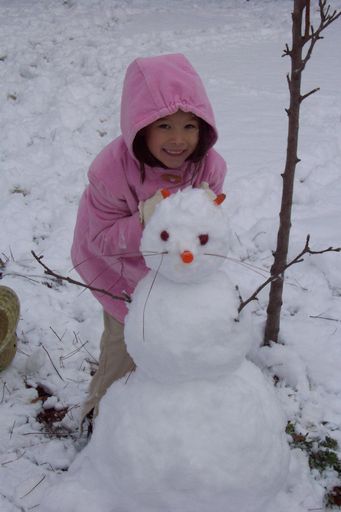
(205, 186)
(146, 208)
(217, 199)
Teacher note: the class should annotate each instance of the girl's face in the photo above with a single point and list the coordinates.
(172, 139)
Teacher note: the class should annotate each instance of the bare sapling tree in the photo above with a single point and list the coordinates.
(304, 38)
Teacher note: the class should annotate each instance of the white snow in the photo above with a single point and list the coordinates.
(61, 68)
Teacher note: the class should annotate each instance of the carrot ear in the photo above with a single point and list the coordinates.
(165, 193)
(219, 199)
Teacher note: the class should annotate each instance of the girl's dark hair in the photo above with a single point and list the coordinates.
(145, 157)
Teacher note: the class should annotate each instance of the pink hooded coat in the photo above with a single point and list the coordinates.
(105, 250)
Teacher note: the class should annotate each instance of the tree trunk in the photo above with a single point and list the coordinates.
(280, 256)
(298, 62)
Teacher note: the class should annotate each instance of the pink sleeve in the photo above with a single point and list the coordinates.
(112, 226)
(217, 173)
(213, 172)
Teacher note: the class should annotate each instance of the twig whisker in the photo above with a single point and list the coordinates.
(148, 295)
(132, 254)
(254, 268)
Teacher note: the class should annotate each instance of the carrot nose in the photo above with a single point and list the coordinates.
(187, 256)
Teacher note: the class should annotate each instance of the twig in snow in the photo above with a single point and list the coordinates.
(13, 460)
(83, 346)
(130, 373)
(73, 352)
(50, 433)
(34, 487)
(54, 332)
(325, 318)
(4, 387)
(54, 366)
(11, 430)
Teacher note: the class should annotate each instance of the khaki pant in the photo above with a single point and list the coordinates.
(114, 363)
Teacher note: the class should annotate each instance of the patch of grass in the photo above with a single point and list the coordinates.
(322, 456)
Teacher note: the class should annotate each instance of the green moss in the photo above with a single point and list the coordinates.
(323, 459)
(322, 456)
(330, 443)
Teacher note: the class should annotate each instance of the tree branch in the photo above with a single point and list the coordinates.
(308, 94)
(325, 20)
(307, 19)
(286, 51)
(279, 275)
(59, 277)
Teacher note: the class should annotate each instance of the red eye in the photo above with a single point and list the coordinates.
(164, 235)
(203, 239)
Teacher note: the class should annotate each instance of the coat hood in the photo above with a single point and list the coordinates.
(158, 86)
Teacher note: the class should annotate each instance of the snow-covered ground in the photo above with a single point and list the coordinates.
(61, 70)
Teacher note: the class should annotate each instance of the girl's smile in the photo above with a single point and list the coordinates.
(172, 139)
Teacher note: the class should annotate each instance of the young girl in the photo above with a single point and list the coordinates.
(168, 131)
